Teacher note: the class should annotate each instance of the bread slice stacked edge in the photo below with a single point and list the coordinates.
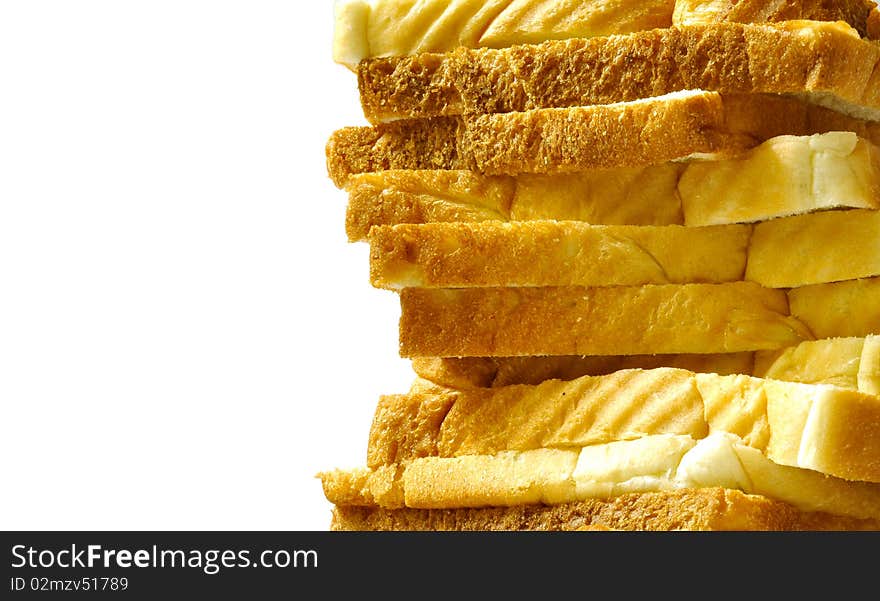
(653, 307)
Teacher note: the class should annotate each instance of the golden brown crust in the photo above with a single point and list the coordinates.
(624, 196)
(424, 196)
(555, 253)
(406, 425)
(725, 57)
(688, 509)
(640, 320)
(547, 141)
(599, 136)
(413, 144)
(577, 138)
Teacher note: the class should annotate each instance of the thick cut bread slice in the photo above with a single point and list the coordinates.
(554, 253)
(843, 362)
(637, 133)
(827, 62)
(625, 320)
(377, 28)
(824, 428)
(491, 372)
(632, 134)
(842, 245)
(786, 175)
(831, 246)
(556, 476)
(645, 195)
(688, 509)
(842, 309)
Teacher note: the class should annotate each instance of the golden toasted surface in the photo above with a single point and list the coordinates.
(622, 320)
(688, 509)
(841, 246)
(554, 253)
(829, 62)
(633, 135)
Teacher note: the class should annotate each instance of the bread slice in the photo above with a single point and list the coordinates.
(602, 471)
(800, 425)
(826, 62)
(841, 309)
(704, 509)
(649, 131)
(555, 253)
(545, 141)
(624, 320)
(842, 245)
(786, 175)
(843, 362)
(377, 28)
(644, 195)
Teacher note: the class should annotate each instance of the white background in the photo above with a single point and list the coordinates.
(186, 336)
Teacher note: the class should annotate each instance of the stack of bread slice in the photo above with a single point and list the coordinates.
(636, 251)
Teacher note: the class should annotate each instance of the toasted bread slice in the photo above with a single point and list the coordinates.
(623, 320)
(842, 245)
(704, 509)
(843, 362)
(641, 132)
(630, 134)
(801, 425)
(786, 175)
(828, 63)
(556, 253)
(601, 471)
